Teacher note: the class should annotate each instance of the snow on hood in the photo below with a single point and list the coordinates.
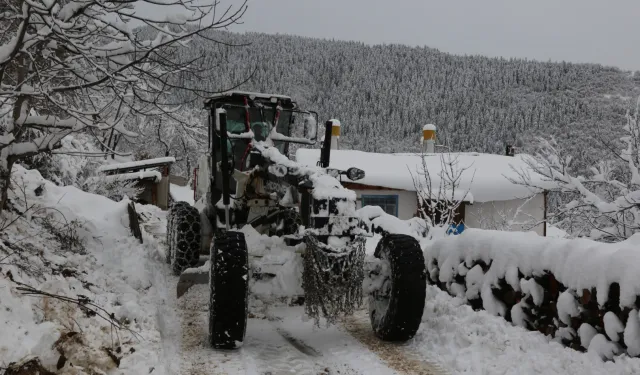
(485, 177)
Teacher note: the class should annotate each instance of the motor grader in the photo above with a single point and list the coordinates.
(246, 179)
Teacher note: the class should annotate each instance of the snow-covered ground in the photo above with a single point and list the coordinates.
(168, 336)
(114, 271)
(475, 342)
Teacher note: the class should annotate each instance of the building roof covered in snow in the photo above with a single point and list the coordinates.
(154, 176)
(482, 177)
(132, 166)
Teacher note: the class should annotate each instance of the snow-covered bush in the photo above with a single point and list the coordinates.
(439, 204)
(113, 189)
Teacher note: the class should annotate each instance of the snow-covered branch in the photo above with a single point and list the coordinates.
(440, 202)
(604, 205)
(68, 67)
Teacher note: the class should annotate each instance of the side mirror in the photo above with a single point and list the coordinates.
(310, 126)
(355, 174)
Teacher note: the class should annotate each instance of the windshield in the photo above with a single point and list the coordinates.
(260, 121)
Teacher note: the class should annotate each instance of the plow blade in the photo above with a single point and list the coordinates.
(191, 277)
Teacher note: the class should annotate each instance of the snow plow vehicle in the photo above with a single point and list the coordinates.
(246, 179)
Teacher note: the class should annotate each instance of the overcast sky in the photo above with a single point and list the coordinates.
(602, 31)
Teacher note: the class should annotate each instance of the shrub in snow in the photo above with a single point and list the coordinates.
(603, 347)
(613, 326)
(113, 189)
(567, 307)
(565, 335)
(632, 334)
(586, 333)
(531, 288)
(109, 273)
(518, 316)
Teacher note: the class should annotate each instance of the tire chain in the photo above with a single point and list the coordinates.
(332, 281)
(173, 209)
(183, 236)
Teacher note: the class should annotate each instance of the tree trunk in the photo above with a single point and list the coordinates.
(5, 183)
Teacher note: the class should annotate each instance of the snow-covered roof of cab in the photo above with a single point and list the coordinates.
(484, 177)
(250, 95)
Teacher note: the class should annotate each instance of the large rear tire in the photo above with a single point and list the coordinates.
(228, 289)
(184, 238)
(396, 307)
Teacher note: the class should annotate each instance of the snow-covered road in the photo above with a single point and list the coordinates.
(279, 339)
(281, 342)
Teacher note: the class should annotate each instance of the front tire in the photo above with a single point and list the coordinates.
(228, 290)
(396, 306)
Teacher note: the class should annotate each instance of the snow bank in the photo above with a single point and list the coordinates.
(110, 269)
(553, 285)
(476, 342)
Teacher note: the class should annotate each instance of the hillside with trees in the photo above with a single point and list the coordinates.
(383, 94)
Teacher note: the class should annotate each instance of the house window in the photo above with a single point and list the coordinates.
(389, 203)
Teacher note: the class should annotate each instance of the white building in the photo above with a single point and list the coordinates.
(483, 182)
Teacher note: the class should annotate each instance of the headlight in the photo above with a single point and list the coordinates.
(355, 174)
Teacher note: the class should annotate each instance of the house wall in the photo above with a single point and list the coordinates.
(407, 200)
(494, 215)
(163, 193)
(523, 213)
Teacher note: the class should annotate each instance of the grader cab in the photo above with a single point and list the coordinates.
(247, 179)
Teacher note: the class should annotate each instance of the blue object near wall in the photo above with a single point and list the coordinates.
(455, 229)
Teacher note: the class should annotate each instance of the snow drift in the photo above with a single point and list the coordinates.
(113, 327)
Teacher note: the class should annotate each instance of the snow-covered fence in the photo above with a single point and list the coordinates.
(584, 293)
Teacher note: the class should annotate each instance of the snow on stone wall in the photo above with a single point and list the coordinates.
(584, 293)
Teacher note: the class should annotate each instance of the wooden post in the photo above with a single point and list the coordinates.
(134, 224)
